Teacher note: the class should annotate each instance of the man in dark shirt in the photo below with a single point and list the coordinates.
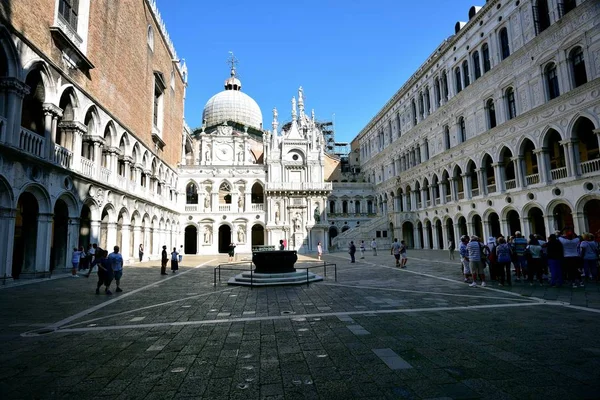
(164, 259)
(352, 250)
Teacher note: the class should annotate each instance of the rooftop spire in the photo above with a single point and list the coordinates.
(233, 83)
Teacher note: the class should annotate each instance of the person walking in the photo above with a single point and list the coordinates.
(374, 246)
(180, 254)
(105, 272)
(362, 249)
(503, 259)
(476, 261)
(281, 246)
(319, 250)
(284, 244)
(395, 251)
(75, 259)
(164, 259)
(231, 252)
(352, 251)
(589, 254)
(403, 255)
(141, 252)
(451, 249)
(174, 260)
(116, 261)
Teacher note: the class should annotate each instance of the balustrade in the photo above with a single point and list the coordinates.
(511, 184)
(590, 166)
(258, 207)
(558, 173)
(121, 182)
(461, 195)
(491, 188)
(475, 192)
(299, 186)
(62, 156)
(191, 207)
(87, 167)
(32, 143)
(224, 207)
(448, 198)
(532, 179)
(105, 174)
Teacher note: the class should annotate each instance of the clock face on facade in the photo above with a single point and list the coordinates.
(224, 153)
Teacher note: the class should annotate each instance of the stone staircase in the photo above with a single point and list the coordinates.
(364, 232)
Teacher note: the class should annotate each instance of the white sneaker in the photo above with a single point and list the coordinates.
(473, 284)
(483, 284)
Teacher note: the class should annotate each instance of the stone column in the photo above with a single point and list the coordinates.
(95, 231)
(43, 240)
(526, 227)
(505, 227)
(111, 235)
(445, 237)
(434, 235)
(7, 235)
(519, 171)
(417, 238)
(137, 240)
(452, 184)
(443, 192)
(578, 221)
(466, 178)
(487, 232)
(125, 242)
(426, 243)
(424, 197)
(98, 158)
(543, 169)
(214, 202)
(499, 177)
(51, 113)
(570, 164)
(15, 92)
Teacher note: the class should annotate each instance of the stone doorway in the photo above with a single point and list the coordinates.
(224, 238)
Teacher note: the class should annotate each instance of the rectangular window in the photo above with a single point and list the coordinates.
(68, 9)
(378, 234)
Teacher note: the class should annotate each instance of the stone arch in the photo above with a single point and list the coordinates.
(547, 131)
(73, 98)
(92, 120)
(41, 195)
(111, 212)
(591, 215)
(576, 119)
(522, 143)
(7, 198)
(71, 202)
(124, 143)
(41, 66)
(110, 134)
(501, 153)
(11, 55)
(555, 202)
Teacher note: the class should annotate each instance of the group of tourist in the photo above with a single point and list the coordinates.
(175, 256)
(110, 266)
(564, 258)
(352, 249)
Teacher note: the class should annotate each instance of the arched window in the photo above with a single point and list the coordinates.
(258, 194)
(462, 130)
(465, 67)
(578, 67)
(504, 46)
(485, 51)
(444, 85)
(414, 112)
(551, 81)
(345, 207)
(150, 37)
(446, 137)
(437, 91)
(491, 112)
(565, 6)
(421, 105)
(457, 80)
(541, 16)
(332, 206)
(476, 65)
(427, 101)
(225, 193)
(511, 105)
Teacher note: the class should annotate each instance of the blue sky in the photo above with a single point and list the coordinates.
(350, 57)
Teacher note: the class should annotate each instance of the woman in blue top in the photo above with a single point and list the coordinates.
(534, 263)
(503, 260)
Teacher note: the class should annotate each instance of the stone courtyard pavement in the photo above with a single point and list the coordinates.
(378, 332)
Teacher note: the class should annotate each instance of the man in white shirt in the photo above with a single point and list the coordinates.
(374, 246)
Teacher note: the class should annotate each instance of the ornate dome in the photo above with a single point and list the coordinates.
(232, 105)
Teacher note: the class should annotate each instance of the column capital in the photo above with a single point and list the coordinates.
(14, 85)
(74, 126)
(567, 142)
(517, 158)
(541, 150)
(497, 165)
(596, 131)
(51, 109)
(96, 140)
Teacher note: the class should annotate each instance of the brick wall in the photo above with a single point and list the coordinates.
(122, 82)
